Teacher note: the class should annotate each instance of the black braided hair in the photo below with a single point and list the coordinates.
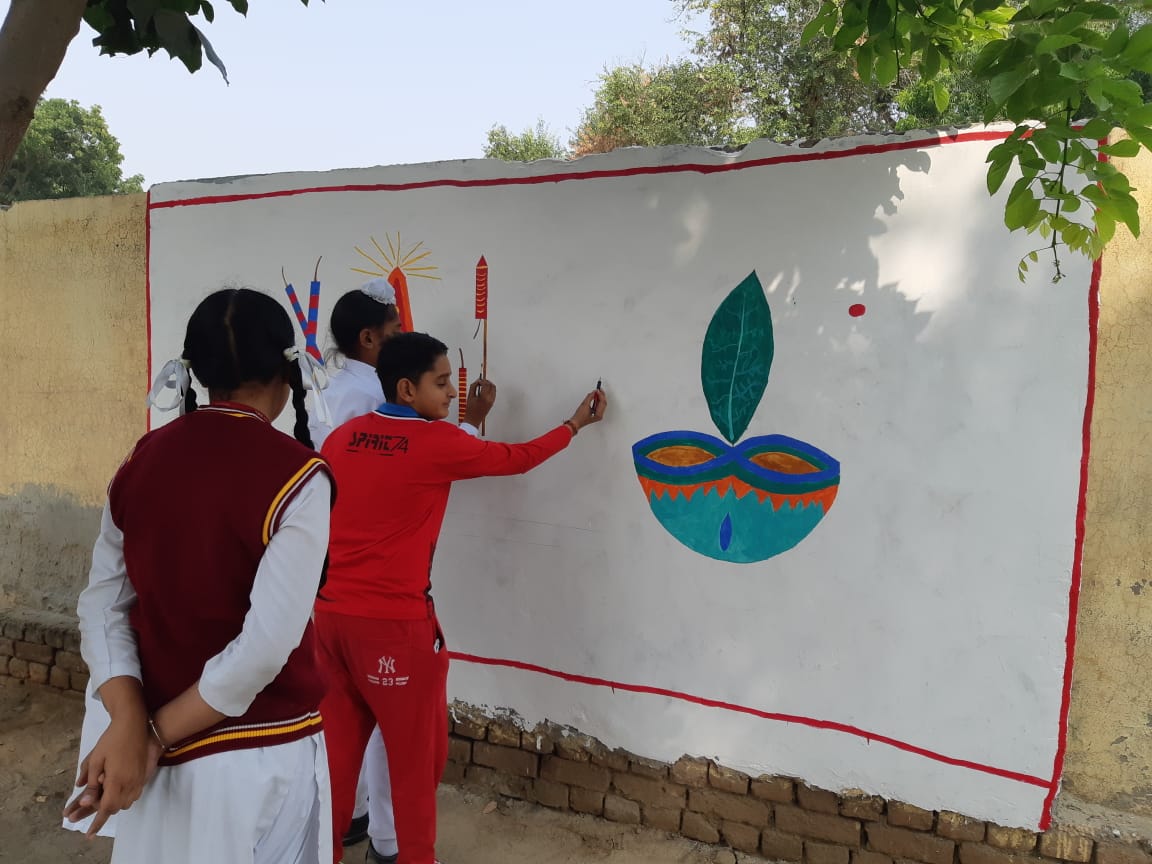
(300, 430)
(190, 399)
(237, 336)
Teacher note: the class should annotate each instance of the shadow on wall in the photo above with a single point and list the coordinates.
(804, 334)
(45, 549)
(943, 345)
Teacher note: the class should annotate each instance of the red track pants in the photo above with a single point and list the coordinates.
(393, 674)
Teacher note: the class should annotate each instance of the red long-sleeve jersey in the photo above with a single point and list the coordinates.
(393, 472)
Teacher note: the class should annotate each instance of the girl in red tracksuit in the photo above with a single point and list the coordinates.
(379, 637)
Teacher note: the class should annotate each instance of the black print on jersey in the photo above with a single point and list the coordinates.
(384, 445)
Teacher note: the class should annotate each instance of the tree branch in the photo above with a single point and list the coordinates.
(33, 41)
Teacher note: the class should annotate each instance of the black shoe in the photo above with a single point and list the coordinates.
(357, 832)
(374, 857)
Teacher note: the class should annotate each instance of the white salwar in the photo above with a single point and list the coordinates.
(279, 810)
(274, 802)
(353, 391)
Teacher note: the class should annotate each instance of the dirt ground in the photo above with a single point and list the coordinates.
(39, 734)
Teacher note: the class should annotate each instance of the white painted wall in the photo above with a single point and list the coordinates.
(930, 606)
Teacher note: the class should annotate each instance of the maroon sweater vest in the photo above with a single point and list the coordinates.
(197, 501)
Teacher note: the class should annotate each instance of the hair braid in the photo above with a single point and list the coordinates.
(190, 399)
(300, 430)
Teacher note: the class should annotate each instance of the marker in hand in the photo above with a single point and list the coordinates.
(596, 400)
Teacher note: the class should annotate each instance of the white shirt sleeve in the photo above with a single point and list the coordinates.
(470, 429)
(107, 640)
(282, 597)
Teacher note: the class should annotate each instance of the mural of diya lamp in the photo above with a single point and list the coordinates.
(738, 502)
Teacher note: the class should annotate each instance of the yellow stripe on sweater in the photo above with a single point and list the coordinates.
(245, 733)
(288, 487)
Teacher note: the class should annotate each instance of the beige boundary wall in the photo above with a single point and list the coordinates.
(74, 360)
(72, 287)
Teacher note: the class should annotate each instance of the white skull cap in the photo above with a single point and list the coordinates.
(380, 291)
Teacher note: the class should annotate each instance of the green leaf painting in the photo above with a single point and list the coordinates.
(737, 357)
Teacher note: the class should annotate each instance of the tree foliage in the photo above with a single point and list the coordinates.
(755, 76)
(1046, 64)
(36, 34)
(68, 151)
(132, 26)
(789, 89)
(677, 103)
(528, 146)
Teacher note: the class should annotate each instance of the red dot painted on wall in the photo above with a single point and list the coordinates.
(856, 310)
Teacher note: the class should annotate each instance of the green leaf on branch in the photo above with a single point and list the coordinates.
(1005, 84)
(879, 16)
(1141, 134)
(864, 61)
(1042, 7)
(940, 96)
(1140, 115)
(989, 55)
(1128, 210)
(1139, 46)
(1099, 11)
(1123, 92)
(1022, 205)
(1095, 90)
(1105, 226)
(1052, 44)
(996, 174)
(1125, 149)
(1096, 129)
(847, 35)
(887, 66)
(1050, 147)
(1116, 42)
(930, 65)
(813, 28)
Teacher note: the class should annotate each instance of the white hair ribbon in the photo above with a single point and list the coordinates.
(315, 378)
(380, 290)
(173, 376)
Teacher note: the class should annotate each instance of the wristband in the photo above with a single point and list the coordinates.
(571, 427)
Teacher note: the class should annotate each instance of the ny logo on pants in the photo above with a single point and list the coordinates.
(386, 674)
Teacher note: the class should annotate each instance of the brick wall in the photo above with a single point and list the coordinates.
(42, 648)
(779, 818)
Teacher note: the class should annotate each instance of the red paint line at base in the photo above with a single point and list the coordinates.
(807, 156)
(756, 712)
(1078, 554)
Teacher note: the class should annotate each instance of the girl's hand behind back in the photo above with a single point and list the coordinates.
(114, 773)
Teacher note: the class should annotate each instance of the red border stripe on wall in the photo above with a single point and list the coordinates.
(560, 177)
(1078, 554)
(1052, 784)
(797, 719)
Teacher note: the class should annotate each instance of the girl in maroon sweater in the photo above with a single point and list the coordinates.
(195, 623)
